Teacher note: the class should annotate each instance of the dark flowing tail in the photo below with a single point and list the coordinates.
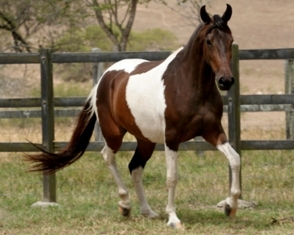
(47, 162)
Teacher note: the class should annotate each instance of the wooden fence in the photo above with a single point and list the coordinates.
(233, 101)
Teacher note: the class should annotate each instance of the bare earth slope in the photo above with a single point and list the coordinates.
(255, 25)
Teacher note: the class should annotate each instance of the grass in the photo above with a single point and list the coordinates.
(88, 195)
(88, 198)
(71, 88)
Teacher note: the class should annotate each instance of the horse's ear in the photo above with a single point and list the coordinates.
(204, 15)
(228, 13)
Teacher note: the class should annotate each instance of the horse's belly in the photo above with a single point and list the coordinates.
(146, 101)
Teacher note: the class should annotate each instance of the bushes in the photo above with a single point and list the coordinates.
(83, 40)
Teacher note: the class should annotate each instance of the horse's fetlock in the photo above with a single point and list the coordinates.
(171, 182)
(123, 193)
(235, 193)
(232, 202)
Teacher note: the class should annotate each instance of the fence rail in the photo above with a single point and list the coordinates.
(70, 107)
(47, 107)
(79, 57)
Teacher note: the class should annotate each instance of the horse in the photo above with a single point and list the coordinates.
(168, 102)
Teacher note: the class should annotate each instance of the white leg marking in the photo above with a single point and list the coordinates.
(234, 161)
(144, 206)
(109, 157)
(171, 182)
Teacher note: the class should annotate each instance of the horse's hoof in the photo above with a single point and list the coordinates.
(150, 214)
(175, 225)
(231, 212)
(124, 211)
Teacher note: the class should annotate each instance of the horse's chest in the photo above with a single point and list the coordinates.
(146, 101)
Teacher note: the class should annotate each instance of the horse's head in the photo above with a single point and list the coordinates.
(217, 46)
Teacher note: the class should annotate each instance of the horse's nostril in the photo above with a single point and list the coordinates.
(222, 81)
(225, 84)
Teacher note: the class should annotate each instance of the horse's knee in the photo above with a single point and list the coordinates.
(108, 155)
(235, 167)
(171, 182)
(137, 175)
(231, 154)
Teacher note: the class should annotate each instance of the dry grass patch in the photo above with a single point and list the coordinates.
(88, 196)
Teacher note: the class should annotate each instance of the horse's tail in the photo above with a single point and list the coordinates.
(47, 162)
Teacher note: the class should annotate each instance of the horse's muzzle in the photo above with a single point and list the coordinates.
(225, 83)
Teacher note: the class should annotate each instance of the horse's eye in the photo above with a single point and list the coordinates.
(209, 43)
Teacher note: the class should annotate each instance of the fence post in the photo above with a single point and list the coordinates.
(234, 109)
(97, 73)
(289, 89)
(49, 181)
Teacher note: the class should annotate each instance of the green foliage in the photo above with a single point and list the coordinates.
(83, 40)
(152, 40)
(34, 24)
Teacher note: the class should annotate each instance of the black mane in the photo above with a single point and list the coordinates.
(218, 23)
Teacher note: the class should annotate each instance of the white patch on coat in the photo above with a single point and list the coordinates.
(146, 100)
(128, 65)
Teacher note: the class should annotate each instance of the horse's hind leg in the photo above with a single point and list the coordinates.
(124, 203)
(142, 154)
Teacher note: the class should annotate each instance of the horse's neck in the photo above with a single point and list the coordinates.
(198, 73)
(205, 78)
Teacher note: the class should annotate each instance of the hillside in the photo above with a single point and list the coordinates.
(255, 24)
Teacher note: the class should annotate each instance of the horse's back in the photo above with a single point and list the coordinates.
(134, 91)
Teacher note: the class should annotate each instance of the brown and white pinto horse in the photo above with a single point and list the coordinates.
(167, 102)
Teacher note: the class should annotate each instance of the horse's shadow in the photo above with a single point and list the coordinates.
(216, 217)
(192, 218)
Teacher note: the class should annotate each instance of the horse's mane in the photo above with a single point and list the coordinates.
(219, 23)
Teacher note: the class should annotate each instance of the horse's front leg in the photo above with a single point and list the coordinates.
(234, 161)
(171, 182)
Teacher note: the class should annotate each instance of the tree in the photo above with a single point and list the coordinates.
(117, 27)
(24, 19)
(46, 20)
(189, 9)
